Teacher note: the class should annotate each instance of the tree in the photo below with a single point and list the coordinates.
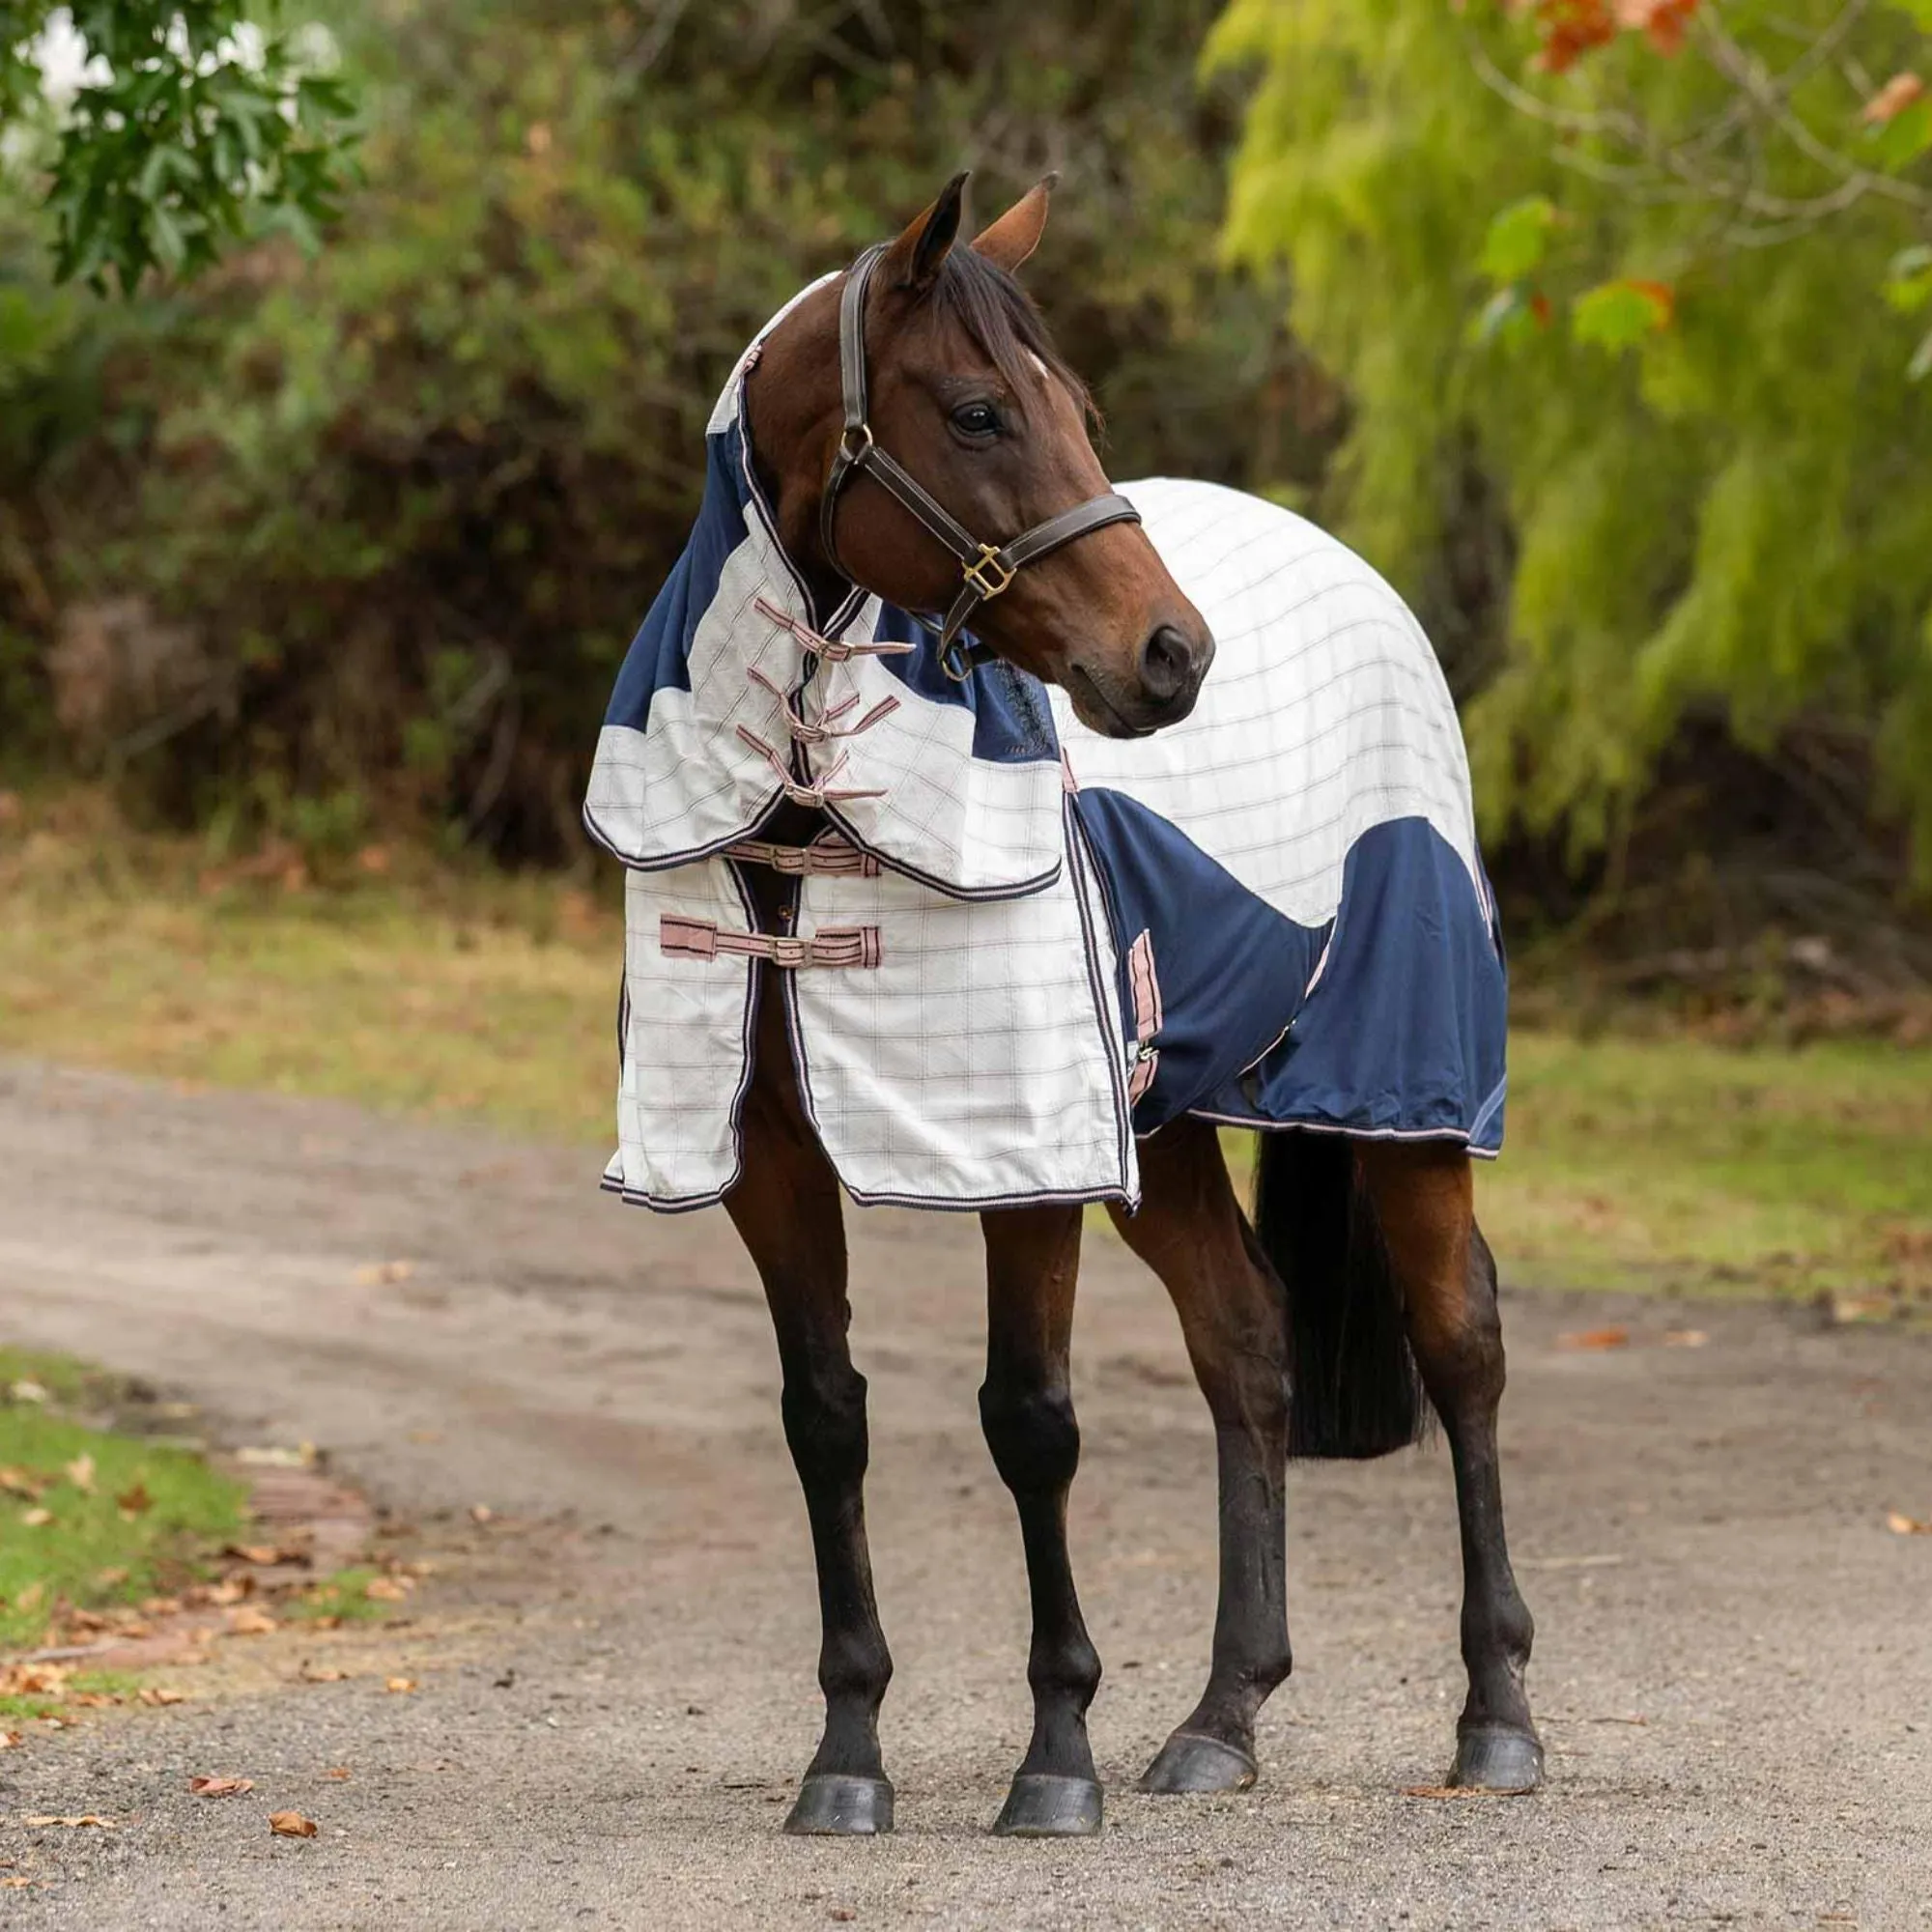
(1641, 300)
(189, 125)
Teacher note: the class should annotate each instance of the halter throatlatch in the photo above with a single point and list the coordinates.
(987, 569)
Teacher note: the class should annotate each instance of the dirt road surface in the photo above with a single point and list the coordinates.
(1733, 1663)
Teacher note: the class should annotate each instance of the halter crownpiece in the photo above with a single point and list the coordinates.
(987, 569)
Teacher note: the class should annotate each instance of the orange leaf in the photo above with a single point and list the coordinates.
(401, 1685)
(291, 1825)
(1901, 1525)
(1595, 1338)
(248, 1621)
(1892, 99)
(220, 1787)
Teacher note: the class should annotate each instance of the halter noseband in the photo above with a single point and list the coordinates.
(987, 568)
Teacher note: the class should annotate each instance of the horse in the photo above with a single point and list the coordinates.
(985, 810)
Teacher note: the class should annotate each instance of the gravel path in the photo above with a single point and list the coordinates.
(1733, 1665)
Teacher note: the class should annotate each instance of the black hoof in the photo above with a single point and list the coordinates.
(1191, 1763)
(1497, 1758)
(834, 1805)
(1040, 1807)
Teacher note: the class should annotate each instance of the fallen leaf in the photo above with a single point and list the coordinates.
(263, 1553)
(321, 1673)
(110, 1580)
(21, 1482)
(248, 1621)
(37, 1517)
(87, 1818)
(1892, 99)
(386, 1590)
(9, 1740)
(1594, 1338)
(379, 1274)
(1904, 1526)
(480, 1513)
(1685, 1338)
(136, 1500)
(159, 1695)
(230, 1590)
(401, 1685)
(80, 1473)
(291, 1825)
(220, 1787)
(14, 1883)
(29, 1391)
(336, 1771)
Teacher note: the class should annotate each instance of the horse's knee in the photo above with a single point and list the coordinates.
(824, 1411)
(1033, 1435)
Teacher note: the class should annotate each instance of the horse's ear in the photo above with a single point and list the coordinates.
(913, 260)
(1016, 233)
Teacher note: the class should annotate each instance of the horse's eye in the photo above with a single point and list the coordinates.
(975, 419)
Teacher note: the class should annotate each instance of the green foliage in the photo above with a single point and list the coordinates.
(90, 1517)
(407, 501)
(192, 121)
(1730, 511)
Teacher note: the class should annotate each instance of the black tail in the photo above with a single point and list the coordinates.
(1355, 1390)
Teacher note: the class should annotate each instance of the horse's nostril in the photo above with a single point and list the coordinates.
(1165, 663)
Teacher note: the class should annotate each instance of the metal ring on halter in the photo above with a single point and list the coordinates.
(956, 659)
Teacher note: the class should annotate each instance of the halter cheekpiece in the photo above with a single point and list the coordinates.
(987, 569)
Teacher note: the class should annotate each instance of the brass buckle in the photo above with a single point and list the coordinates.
(988, 575)
(851, 456)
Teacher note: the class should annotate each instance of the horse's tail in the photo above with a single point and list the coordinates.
(1355, 1388)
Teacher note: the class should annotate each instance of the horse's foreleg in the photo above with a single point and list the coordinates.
(1423, 1200)
(1190, 1232)
(787, 1210)
(1026, 1405)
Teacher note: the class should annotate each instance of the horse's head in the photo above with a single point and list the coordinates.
(964, 391)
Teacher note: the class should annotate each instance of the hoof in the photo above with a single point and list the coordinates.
(1191, 1764)
(834, 1805)
(1040, 1807)
(1497, 1758)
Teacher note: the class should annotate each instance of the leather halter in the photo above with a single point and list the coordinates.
(987, 569)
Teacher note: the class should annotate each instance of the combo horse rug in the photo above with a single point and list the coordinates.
(1019, 944)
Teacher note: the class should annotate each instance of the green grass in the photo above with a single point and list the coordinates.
(125, 1518)
(1660, 1160)
(343, 1596)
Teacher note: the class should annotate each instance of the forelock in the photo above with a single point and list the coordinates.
(1000, 316)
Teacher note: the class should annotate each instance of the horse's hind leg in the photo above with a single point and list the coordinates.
(787, 1210)
(1191, 1233)
(1026, 1407)
(1424, 1200)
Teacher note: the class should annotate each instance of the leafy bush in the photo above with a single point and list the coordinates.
(372, 531)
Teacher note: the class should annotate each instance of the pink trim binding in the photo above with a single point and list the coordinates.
(681, 938)
(1145, 984)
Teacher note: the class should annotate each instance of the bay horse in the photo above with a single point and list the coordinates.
(886, 418)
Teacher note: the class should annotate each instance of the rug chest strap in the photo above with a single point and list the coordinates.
(681, 938)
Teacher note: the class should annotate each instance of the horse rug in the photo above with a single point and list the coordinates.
(1018, 946)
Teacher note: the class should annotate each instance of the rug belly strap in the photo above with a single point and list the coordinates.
(684, 938)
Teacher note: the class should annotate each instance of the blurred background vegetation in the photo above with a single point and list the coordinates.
(1602, 327)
